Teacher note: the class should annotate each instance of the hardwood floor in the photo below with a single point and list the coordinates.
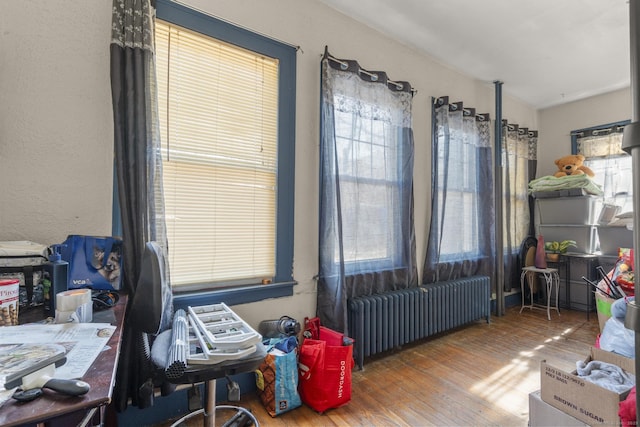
(477, 375)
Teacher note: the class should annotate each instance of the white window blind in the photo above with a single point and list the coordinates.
(218, 108)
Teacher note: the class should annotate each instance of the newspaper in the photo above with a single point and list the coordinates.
(83, 343)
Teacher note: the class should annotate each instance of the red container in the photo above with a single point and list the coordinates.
(9, 301)
(325, 364)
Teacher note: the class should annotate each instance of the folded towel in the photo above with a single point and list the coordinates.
(552, 183)
(606, 375)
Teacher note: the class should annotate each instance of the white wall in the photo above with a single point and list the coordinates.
(56, 128)
(556, 124)
(56, 137)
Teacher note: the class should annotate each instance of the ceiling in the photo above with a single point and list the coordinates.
(546, 52)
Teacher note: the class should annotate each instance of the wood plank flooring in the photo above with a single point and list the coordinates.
(477, 375)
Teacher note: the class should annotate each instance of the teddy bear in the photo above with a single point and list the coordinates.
(572, 165)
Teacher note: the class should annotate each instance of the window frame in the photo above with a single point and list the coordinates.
(200, 22)
(576, 133)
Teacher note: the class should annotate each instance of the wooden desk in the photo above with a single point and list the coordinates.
(53, 408)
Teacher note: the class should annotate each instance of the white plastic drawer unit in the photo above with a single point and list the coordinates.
(612, 238)
(574, 210)
(585, 236)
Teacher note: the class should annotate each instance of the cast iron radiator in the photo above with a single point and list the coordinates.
(385, 321)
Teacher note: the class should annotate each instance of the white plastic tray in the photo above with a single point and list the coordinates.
(221, 334)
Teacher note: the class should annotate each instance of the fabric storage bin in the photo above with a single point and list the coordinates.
(585, 236)
(612, 238)
(572, 210)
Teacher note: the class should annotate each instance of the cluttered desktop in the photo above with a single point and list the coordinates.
(59, 341)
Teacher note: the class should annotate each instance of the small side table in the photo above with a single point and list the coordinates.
(552, 280)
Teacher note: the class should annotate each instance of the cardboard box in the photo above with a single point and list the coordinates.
(542, 414)
(582, 399)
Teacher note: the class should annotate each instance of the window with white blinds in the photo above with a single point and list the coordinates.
(218, 113)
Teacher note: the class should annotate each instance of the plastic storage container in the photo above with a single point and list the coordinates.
(613, 238)
(573, 210)
(585, 236)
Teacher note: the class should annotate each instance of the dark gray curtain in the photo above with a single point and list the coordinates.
(461, 238)
(367, 237)
(532, 169)
(519, 148)
(138, 170)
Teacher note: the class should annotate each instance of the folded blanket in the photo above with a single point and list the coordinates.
(552, 183)
(606, 375)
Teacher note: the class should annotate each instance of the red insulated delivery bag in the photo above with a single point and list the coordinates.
(325, 363)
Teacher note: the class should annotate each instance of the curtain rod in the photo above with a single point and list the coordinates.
(596, 132)
(521, 130)
(481, 117)
(374, 77)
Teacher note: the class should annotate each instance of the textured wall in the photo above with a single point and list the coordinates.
(56, 139)
(558, 122)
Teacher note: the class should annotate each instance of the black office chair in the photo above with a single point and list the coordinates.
(156, 302)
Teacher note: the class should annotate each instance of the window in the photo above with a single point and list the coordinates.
(371, 169)
(227, 117)
(367, 235)
(519, 147)
(461, 148)
(602, 148)
(459, 189)
(366, 157)
(461, 236)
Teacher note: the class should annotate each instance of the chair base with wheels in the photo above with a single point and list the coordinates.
(208, 374)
